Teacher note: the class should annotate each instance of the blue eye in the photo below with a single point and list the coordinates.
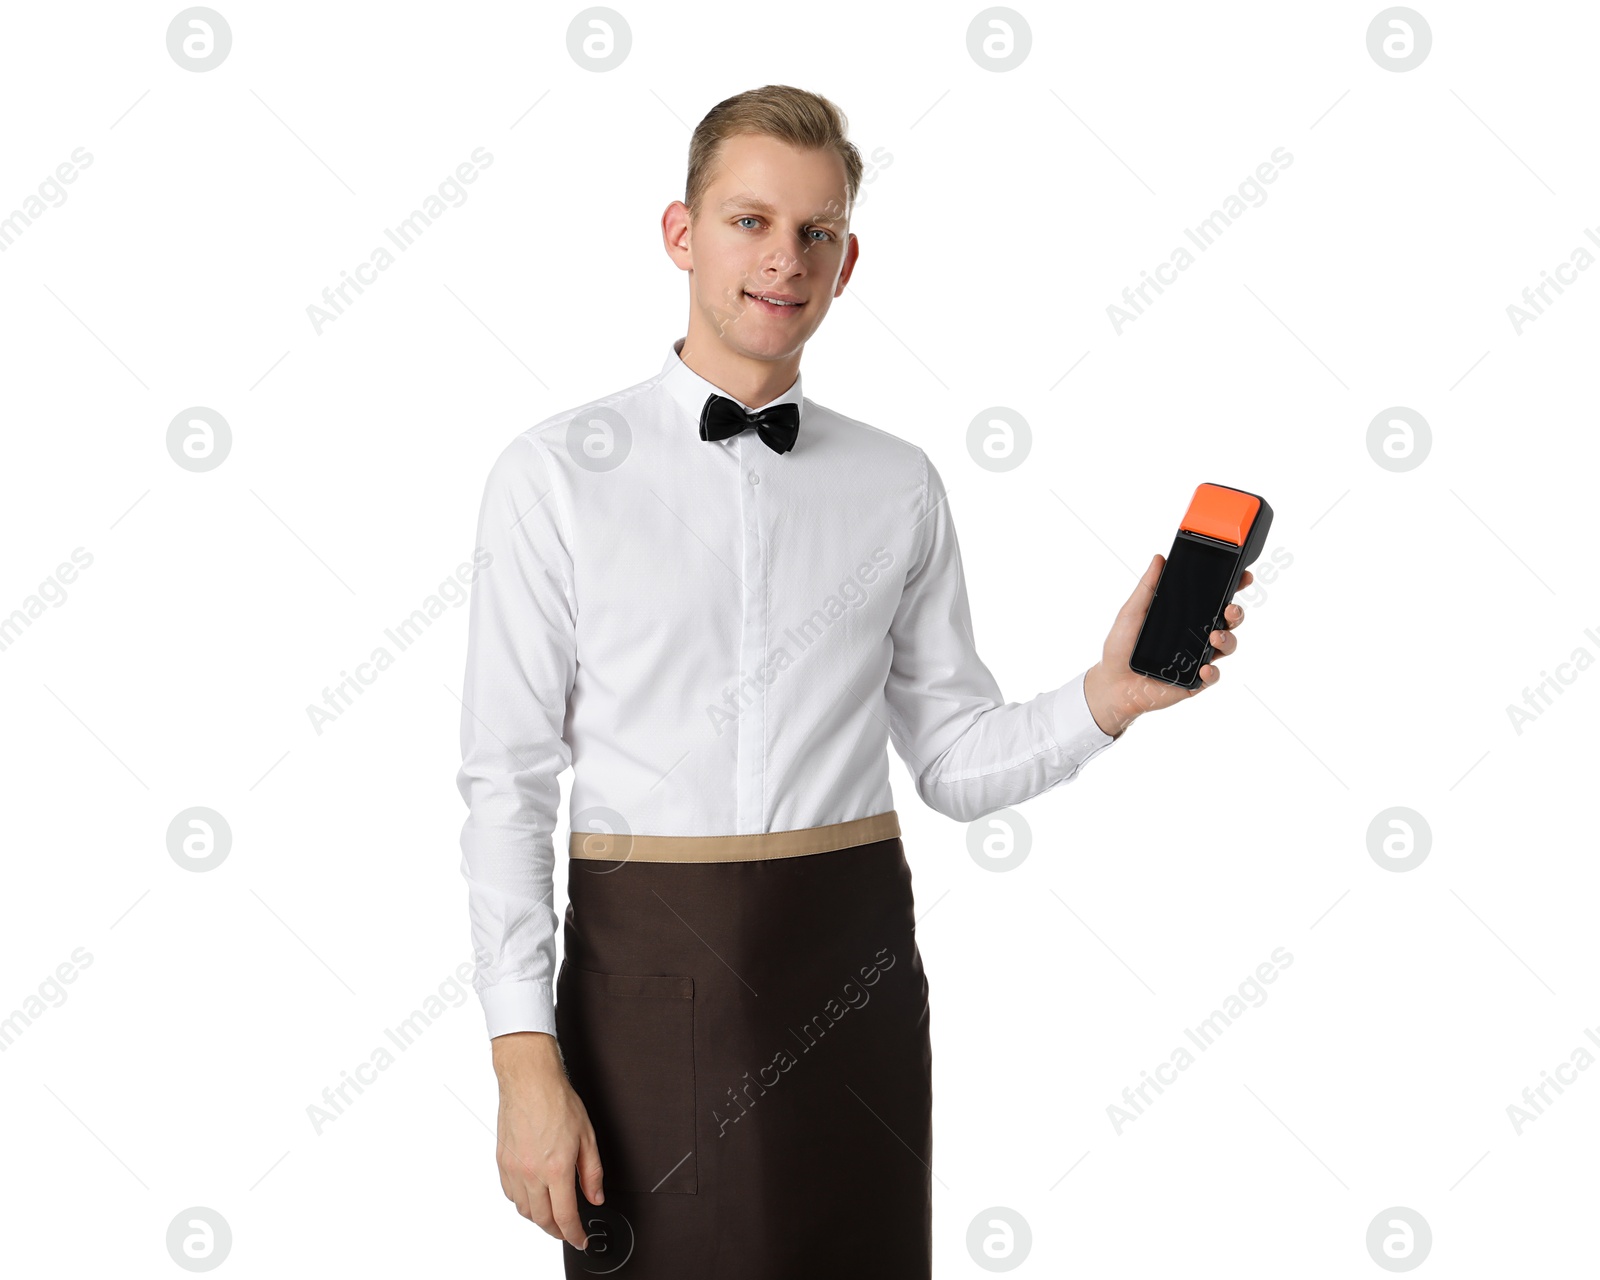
(750, 217)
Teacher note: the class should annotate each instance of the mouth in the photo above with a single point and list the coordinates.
(775, 303)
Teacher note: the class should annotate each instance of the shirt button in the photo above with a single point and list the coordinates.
(754, 478)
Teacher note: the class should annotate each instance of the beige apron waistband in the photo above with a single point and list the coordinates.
(626, 847)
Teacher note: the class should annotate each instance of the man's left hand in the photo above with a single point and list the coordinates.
(1118, 695)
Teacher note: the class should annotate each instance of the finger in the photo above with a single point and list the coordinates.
(1246, 578)
(540, 1212)
(516, 1189)
(564, 1204)
(1209, 675)
(1233, 615)
(1224, 642)
(520, 1199)
(1144, 590)
(590, 1170)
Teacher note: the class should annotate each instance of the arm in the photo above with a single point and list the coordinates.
(521, 663)
(969, 751)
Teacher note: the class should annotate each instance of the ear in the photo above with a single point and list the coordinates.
(852, 251)
(676, 226)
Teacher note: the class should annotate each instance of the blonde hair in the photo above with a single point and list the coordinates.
(802, 119)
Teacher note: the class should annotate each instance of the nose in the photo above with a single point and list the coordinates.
(789, 259)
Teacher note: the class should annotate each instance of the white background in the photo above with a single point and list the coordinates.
(1004, 212)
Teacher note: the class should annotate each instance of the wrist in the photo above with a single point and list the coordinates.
(519, 1055)
(1113, 710)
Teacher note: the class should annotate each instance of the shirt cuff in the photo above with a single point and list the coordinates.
(525, 1005)
(1073, 725)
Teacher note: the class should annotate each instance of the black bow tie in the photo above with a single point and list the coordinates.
(778, 425)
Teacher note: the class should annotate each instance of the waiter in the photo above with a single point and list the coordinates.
(716, 600)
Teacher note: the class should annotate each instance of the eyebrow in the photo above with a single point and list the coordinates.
(761, 206)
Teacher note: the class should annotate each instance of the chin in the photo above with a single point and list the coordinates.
(773, 346)
(752, 338)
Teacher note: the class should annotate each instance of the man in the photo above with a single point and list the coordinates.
(717, 599)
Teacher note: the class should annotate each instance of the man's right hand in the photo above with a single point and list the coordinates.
(544, 1136)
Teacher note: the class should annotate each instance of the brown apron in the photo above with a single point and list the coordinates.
(747, 1026)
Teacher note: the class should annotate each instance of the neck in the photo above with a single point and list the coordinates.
(751, 380)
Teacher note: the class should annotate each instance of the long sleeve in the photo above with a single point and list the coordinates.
(521, 663)
(969, 752)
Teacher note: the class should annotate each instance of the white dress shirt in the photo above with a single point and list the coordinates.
(719, 639)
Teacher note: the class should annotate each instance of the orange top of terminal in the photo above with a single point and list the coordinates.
(1225, 514)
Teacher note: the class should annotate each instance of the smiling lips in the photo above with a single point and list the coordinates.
(775, 303)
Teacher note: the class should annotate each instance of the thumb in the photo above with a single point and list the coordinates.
(1144, 591)
(590, 1168)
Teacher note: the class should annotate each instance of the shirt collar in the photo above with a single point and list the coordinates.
(688, 390)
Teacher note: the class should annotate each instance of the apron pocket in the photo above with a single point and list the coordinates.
(628, 1042)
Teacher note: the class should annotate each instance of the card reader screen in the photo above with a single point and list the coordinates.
(1189, 599)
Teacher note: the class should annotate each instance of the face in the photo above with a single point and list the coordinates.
(770, 249)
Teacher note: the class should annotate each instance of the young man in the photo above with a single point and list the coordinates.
(718, 600)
